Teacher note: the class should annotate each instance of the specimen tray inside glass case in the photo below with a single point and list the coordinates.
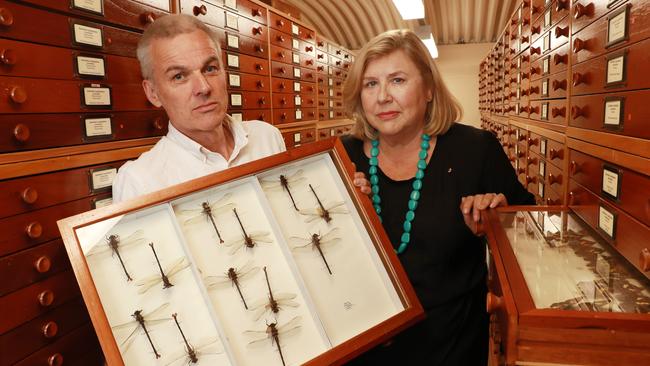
(276, 262)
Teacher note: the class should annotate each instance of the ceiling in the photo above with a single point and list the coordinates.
(352, 23)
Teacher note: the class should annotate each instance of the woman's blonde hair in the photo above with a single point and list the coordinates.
(441, 112)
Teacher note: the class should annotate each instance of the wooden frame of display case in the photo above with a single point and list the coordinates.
(527, 335)
(379, 251)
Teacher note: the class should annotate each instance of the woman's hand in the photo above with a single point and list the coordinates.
(362, 183)
(473, 205)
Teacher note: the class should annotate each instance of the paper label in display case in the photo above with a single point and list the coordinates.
(235, 100)
(232, 21)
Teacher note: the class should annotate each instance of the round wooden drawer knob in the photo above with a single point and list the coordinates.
(158, 124)
(147, 18)
(43, 264)
(21, 133)
(493, 302)
(6, 17)
(200, 10)
(578, 45)
(644, 258)
(259, 67)
(29, 195)
(18, 95)
(7, 56)
(55, 360)
(34, 230)
(50, 329)
(46, 298)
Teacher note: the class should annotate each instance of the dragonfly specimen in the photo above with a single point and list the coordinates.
(248, 239)
(323, 212)
(273, 331)
(141, 320)
(234, 276)
(114, 244)
(283, 183)
(318, 242)
(208, 211)
(192, 353)
(274, 302)
(164, 275)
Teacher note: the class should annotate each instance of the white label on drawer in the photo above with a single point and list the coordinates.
(545, 65)
(519, 17)
(615, 69)
(516, 149)
(295, 43)
(298, 114)
(610, 182)
(102, 178)
(233, 60)
(231, 4)
(294, 29)
(92, 66)
(331, 92)
(232, 21)
(518, 78)
(331, 103)
(518, 92)
(233, 41)
(331, 114)
(92, 5)
(88, 35)
(606, 221)
(295, 58)
(517, 108)
(94, 96)
(613, 112)
(330, 82)
(296, 137)
(617, 27)
(547, 43)
(296, 72)
(545, 87)
(234, 80)
(542, 168)
(542, 147)
(332, 132)
(547, 18)
(103, 203)
(98, 127)
(297, 100)
(518, 62)
(516, 164)
(540, 189)
(237, 117)
(329, 70)
(296, 86)
(235, 100)
(544, 111)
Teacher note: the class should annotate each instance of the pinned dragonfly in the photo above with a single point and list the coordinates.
(165, 274)
(284, 183)
(141, 320)
(192, 353)
(249, 240)
(235, 277)
(318, 242)
(208, 211)
(323, 212)
(274, 302)
(114, 244)
(273, 331)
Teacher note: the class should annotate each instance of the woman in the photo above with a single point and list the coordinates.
(428, 175)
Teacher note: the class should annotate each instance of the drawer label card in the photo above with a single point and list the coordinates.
(233, 41)
(298, 114)
(547, 43)
(90, 66)
(607, 221)
(94, 96)
(95, 6)
(542, 168)
(294, 29)
(297, 100)
(545, 88)
(295, 44)
(331, 114)
(547, 18)
(295, 58)
(102, 178)
(231, 4)
(296, 72)
(330, 81)
(331, 103)
(296, 137)
(238, 117)
(234, 80)
(233, 61)
(103, 202)
(232, 21)
(98, 127)
(617, 27)
(545, 65)
(296, 86)
(616, 69)
(542, 147)
(544, 111)
(91, 36)
(540, 189)
(235, 100)
(613, 112)
(611, 182)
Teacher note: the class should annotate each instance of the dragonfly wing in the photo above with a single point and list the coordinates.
(271, 184)
(234, 246)
(257, 314)
(222, 209)
(284, 296)
(338, 207)
(258, 337)
(126, 343)
(148, 282)
(213, 281)
(261, 236)
(248, 272)
(290, 325)
(161, 309)
(330, 234)
(178, 265)
(297, 242)
(128, 324)
(99, 248)
(196, 219)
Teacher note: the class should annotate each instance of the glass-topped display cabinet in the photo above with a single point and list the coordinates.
(561, 293)
(276, 262)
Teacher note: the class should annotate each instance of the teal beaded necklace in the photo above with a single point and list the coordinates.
(415, 193)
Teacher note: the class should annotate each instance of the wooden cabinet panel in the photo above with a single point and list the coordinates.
(233, 41)
(281, 39)
(555, 152)
(249, 100)
(283, 100)
(282, 55)
(258, 114)
(283, 70)
(279, 22)
(245, 63)
(246, 27)
(307, 48)
(204, 11)
(78, 348)
(250, 82)
(587, 11)
(250, 10)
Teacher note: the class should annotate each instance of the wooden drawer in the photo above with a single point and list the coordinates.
(278, 22)
(30, 229)
(307, 100)
(57, 30)
(37, 299)
(284, 55)
(560, 33)
(284, 70)
(39, 191)
(297, 137)
(233, 41)
(628, 236)
(283, 100)
(594, 40)
(501, 324)
(42, 331)
(245, 26)
(245, 63)
(32, 265)
(251, 114)
(555, 178)
(552, 111)
(624, 69)
(78, 348)
(305, 87)
(281, 116)
(205, 12)
(281, 39)
(25, 95)
(249, 100)
(554, 152)
(587, 11)
(27, 59)
(534, 141)
(122, 12)
(306, 114)
(249, 82)
(279, 85)
(553, 198)
(248, 9)
(321, 44)
(626, 189)
(624, 113)
(307, 74)
(308, 48)
(307, 61)
(324, 133)
(20, 132)
(553, 63)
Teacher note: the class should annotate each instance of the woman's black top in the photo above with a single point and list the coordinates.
(444, 261)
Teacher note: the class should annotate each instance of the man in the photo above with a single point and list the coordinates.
(181, 64)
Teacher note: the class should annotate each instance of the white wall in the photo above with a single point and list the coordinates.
(459, 66)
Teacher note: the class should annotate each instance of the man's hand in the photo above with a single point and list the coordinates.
(473, 205)
(362, 183)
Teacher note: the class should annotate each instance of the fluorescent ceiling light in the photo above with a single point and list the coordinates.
(431, 45)
(410, 9)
